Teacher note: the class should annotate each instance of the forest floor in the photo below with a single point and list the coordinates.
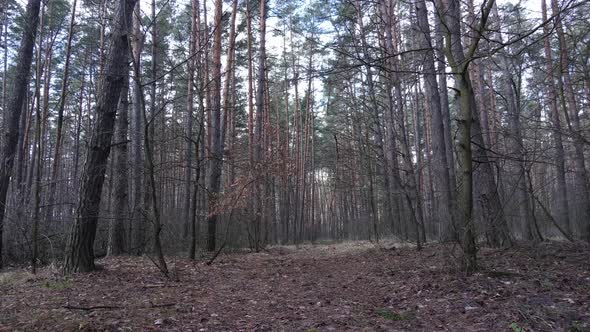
(342, 287)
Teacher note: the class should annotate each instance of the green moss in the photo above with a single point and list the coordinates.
(57, 284)
(516, 328)
(577, 326)
(396, 316)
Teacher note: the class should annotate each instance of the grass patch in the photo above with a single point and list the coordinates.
(396, 316)
(577, 326)
(11, 278)
(57, 284)
(516, 328)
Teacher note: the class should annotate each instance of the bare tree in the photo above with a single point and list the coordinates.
(450, 14)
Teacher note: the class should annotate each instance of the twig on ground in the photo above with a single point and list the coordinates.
(96, 307)
(157, 286)
(152, 305)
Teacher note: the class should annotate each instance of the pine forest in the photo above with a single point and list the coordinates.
(295, 165)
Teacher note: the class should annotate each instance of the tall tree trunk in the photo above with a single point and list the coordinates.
(250, 85)
(22, 151)
(137, 225)
(391, 172)
(194, 229)
(35, 108)
(34, 171)
(152, 118)
(439, 149)
(459, 61)
(215, 128)
(518, 152)
(102, 40)
(206, 81)
(79, 115)
(511, 90)
(259, 155)
(48, 57)
(305, 144)
(117, 237)
(376, 121)
(581, 174)
(57, 155)
(286, 151)
(229, 74)
(444, 103)
(296, 138)
(80, 252)
(5, 58)
(37, 185)
(561, 198)
(15, 105)
(152, 199)
(187, 220)
(396, 110)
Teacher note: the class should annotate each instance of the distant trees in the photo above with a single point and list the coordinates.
(442, 181)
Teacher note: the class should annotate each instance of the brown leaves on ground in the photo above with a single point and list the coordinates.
(323, 288)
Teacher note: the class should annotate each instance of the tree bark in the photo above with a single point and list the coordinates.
(259, 155)
(117, 237)
(15, 105)
(580, 174)
(191, 67)
(444, 103)
(229, 74)
(250, 85)
(137, 225)
(562, 194)
(5, 61)
(396, 109)
(34, 174)
(80, 251)
(215, 129)
(60, 116)
(467, 120)
(439, 150)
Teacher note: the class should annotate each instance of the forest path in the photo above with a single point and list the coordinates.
(344, 287)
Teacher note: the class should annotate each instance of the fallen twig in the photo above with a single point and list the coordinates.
(162, 305)
(158, 286)
(216, 253)
(73, 307)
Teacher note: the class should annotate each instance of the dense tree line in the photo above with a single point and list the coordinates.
(169, 126)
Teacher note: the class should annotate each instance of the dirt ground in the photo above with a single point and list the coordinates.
(344, 287)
